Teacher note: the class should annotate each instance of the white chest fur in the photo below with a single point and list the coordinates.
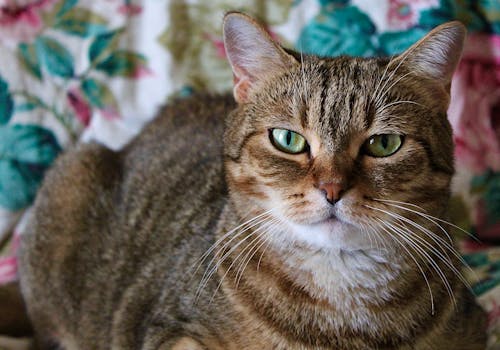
(349, 280)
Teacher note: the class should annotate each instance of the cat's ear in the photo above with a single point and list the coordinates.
(252, 53)
(437, 54)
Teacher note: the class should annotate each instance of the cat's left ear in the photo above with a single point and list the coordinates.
(437, 54)
(252, 53)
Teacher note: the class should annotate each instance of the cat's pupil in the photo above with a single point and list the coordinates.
(384, 141)
(288, 137)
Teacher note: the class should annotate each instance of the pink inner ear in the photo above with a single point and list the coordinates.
(241, 88)
(252, 53)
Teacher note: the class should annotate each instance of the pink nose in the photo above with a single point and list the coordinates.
(332, 190)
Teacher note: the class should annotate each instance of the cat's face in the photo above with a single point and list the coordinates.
(323, 144)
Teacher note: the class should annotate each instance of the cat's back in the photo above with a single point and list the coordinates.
(104, 221)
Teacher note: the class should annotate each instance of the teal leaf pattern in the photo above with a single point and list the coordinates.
(447, 11)
(98, 94)
(6, 102)
(470, 15)
(65, 6)
(103, 44)
(122, 63)
(28, 58)
(490, 9)
(340, 31)
(392, 43)
(25, 153)
(334, 2)
(487, 185)
(81, 22)
(28, 103)
(55, 57)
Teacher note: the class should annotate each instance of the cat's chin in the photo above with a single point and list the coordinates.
(330, 233)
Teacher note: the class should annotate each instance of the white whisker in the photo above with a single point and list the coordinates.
(390, 87)
(429, 217)
(200, 260)
(249, 225)
(433, 235)
(414, 260)
(246, 260)
(397, 103)
(227, 254)
(402, 58)
(383, 76)
(433, 249)
(407, 238)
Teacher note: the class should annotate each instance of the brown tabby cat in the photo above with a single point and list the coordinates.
(305, 216)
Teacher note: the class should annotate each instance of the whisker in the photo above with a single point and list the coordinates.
(429, 217)
(402, 58)
(250, 255)
(200, 260)
(427, 257)
(414, 260)
(371, 230)
(433, 249)
(438, 240)
(422, 215)
(392, 85)
(268, 245)
(370, 237)
(432, 235)
(210, 271)
(218, 262)
(383, 76)
(227, 254)
(303, 73)
(253, 245)
(399, 102)
(213, 264)
(446, 261)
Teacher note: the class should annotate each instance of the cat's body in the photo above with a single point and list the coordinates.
(115, 255)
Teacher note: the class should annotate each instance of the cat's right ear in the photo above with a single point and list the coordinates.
(437, 54)
(252, 53)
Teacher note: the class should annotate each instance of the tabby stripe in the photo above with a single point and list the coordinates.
(434, 166)
(237, 159)
(324, 72)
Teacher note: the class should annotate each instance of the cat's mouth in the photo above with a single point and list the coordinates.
(330, 232)
(331, 221)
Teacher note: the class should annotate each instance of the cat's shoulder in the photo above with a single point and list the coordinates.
(196, 109)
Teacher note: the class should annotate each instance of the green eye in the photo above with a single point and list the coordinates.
(288, 141)
(383, 145)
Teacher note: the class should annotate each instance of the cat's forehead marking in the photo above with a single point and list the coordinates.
(344, 104)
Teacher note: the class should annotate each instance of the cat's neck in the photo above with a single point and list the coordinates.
(332, 294)
(336, 276)
(349, 277)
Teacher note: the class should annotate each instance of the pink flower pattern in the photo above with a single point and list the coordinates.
(21, 22)
(79, 105)
(8, 264)
(401, 15)
(404, 14)
(475, 111)
(130, 9)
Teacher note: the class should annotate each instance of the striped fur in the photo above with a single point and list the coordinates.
(200, 234)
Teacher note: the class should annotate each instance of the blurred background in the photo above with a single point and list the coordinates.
(97, 70)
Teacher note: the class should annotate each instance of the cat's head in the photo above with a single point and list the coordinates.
(334, 147)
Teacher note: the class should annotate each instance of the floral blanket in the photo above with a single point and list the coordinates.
(80, 70)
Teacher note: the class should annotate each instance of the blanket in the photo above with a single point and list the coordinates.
(83, 70)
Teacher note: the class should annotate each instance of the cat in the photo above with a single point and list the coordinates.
(303, 212)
